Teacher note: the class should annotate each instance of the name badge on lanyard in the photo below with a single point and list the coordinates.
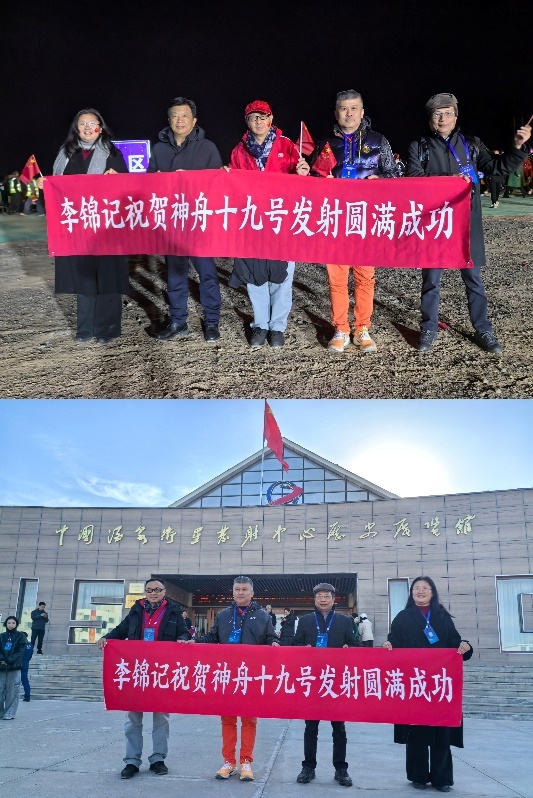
(430, 633)
(354, 171)
(467, 170)
(149, 634)
(322, 637)
(8, 646)
(236, 634)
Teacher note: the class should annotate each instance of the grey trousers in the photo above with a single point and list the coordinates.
(9, 693)
(133, 730)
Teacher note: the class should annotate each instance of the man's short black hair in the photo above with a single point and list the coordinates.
(155, 579)
(182, 101)
(241, 580)
(42, 604)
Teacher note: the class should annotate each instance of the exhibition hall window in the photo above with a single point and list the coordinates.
(515, 613)
(27, 602)
(97, 606)
(398, 590)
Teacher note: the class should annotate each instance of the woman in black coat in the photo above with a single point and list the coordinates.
(12, 650)
(98, 280)
(423, 618)
(288, 623)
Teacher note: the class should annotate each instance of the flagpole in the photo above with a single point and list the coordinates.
(262, 457)
(301, 136)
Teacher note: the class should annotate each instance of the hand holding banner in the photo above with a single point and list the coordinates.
(413, 685)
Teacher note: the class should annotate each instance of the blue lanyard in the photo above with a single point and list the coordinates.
(454, 153)
(349, 147)
(329, 625)
(245, 613)
(426, 617)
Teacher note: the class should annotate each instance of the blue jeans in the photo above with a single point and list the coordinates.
(133, 730)
(25, 681)
(475, 296)
(272, 302)
(178, 288)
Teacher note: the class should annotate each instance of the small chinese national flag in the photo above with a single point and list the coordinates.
(305, 143)
(30, 170)
(325, 162)
(272, 435)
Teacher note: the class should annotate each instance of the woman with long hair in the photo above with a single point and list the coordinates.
(12, 649)
(425, 623)
(97, 280)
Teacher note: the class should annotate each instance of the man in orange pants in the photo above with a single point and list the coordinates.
(243, 622)
(361, 153)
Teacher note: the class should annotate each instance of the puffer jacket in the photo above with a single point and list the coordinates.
(370, 147)
(257, 629)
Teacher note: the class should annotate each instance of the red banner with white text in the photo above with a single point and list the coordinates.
(405, 223)
(414, 686)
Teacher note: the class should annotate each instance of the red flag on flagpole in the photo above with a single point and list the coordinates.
(272, 436)
(305, 143)
(30, 170)
(325, 162)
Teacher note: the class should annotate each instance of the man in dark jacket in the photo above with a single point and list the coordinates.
(152, 618)
(325, 628)
(183, 146)
(361, 154)
(39, 619)
(243, 622)
(446, 151)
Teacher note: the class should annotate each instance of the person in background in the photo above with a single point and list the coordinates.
(152, 618)
(34, 196)
(288, 624)
(39, 619)
(269, 282)
(97, 280)
(425, 623)
(15, 196)
(273, 618)
(28, 654)
(325, 628)
(12, 650)
(187, 621)
(365, 631)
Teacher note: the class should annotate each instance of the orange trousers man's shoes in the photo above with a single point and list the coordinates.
(340, 301)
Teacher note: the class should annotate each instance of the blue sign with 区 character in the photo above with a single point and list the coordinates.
(136, 154)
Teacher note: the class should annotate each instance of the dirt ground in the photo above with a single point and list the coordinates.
(39, 358)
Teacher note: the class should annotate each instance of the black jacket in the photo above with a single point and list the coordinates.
(12, 660)
(341, 632)
(286, 635)
(196, 152)
(37, 619)
(257, 629)
(171, 628)
(375, 151)
(430, 156)
(407, 631)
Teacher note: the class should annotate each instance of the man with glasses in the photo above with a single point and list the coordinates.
(325, 628)
(243, 622)
(361, 154)
(182, 146)
(152, 618)
(446, 151)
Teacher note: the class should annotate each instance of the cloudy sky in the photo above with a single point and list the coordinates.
(151, 453)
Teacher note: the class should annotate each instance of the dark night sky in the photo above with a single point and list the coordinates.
(129, 63)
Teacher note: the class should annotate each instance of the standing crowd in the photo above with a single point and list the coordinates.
(424, 623)
(357, 152)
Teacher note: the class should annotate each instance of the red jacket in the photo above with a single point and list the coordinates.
(283, 156)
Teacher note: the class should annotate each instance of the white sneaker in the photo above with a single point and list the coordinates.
(246, 772)
(339, 342)
(226, 771)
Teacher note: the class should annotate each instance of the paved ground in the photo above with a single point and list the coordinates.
(55, 749)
